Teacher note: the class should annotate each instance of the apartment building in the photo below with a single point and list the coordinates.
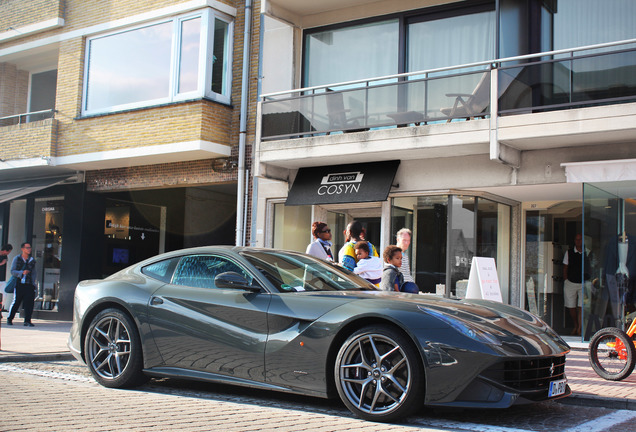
(123, 131)
(492, 128)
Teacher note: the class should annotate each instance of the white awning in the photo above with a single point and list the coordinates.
(600, 171)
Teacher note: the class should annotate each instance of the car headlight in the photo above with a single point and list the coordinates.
(464, 328)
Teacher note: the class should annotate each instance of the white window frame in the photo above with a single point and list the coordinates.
(223, 97)
(206, 44)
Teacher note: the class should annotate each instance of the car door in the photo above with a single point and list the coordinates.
(200, 327)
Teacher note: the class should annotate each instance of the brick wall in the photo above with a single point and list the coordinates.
(20, 13)
(27, 140)
(202, 172)
(172, 123)
(13, 90)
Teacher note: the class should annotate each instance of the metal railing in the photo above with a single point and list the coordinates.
(28, 117)
(561, 79)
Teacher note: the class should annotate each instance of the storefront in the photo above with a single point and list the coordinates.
(51, 220)
(449, 227)
(605, 216)
(78, 234)
(609, 228)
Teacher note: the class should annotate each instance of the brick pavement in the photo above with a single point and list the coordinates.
(90, 407)
(47, 341)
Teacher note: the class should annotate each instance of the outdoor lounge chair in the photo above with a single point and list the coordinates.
(337, 114)
(472, 105)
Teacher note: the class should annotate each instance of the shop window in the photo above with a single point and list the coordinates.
(132, 232)
(162, 62)
(292, 227)
(448, 231)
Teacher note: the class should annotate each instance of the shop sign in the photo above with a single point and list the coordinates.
(351, 183)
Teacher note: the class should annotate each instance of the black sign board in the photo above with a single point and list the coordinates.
(337, 184)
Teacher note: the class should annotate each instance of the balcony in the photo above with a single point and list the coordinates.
(553, 99)
(27, 138)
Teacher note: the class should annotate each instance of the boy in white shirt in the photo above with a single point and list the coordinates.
(368, 266)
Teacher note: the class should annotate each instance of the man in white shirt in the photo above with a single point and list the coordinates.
(403, 238)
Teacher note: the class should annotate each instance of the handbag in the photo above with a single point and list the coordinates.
(10, 285)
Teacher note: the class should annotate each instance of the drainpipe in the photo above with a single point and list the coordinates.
(241, 174)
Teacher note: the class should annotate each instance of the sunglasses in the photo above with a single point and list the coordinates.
(326, 231)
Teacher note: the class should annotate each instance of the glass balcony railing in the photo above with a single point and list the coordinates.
(556, 80)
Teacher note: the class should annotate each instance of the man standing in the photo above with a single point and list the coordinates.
(23, 268)
(575, 263)
(4, 253)
(403, 238)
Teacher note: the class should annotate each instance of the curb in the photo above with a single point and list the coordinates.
(20, 358)
(596, 401)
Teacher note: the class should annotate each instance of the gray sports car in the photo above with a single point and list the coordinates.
(289, 322)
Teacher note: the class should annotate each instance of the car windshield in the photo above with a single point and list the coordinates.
(292, 272)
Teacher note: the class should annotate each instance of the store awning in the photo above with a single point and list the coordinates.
(10, 190)
(600, 171)
(338, 184)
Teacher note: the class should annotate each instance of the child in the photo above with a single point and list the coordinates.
(368, 266)
(392, 279)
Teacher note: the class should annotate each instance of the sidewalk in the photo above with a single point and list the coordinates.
(47, 341)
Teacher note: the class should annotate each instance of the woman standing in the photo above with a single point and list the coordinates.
(321, 246)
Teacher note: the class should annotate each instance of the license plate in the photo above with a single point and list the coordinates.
(557, 387)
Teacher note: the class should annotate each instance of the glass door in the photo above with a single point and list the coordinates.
(604, 223)
(402, 216)
(48, 228)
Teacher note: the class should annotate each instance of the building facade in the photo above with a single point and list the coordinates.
(123, 130)
(494, 128)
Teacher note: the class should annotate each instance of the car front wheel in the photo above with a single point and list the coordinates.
(379, 375)
(113, 350)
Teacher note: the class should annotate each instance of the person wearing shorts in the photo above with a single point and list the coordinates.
(573, 275)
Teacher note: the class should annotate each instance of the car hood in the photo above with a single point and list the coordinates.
(509, 328)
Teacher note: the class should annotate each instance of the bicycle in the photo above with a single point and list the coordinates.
(612, 352)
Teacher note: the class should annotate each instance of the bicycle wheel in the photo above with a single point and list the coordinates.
(612, 354)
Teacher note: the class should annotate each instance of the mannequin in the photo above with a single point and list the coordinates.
(620, 264)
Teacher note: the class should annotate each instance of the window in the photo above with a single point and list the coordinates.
(290, 272)
(42, 94)
(337, 55)
(433, 38)
(200, 270)
(157, 63)
(161, 270)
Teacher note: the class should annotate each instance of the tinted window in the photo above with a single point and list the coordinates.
(200, 270)
(161, 270)
(296, 272)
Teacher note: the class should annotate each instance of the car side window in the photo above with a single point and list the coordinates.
(199, 271)
(161, 270)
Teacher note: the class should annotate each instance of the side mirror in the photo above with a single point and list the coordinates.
(234, 280)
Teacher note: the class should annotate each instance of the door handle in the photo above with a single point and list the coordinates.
(156, 301)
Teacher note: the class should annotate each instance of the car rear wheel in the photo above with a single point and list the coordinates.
(379, 374)
(113, 350)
